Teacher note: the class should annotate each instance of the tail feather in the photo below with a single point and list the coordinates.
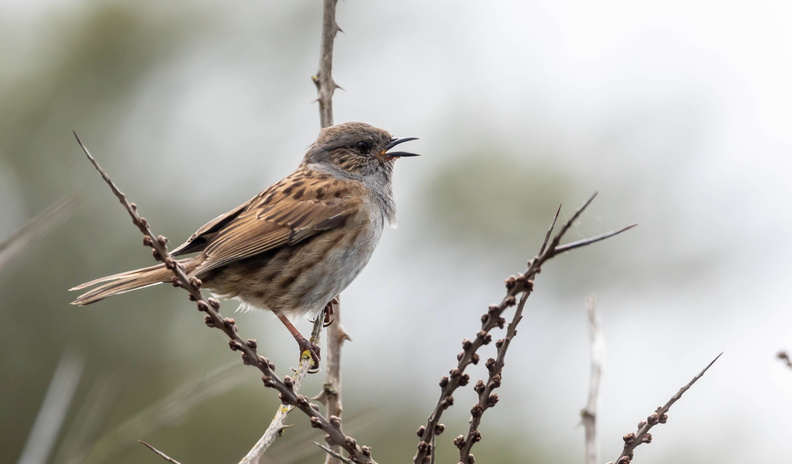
(121, 283)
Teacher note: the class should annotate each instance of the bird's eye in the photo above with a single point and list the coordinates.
(363, 147)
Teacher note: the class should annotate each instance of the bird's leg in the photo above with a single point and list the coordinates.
(329, 311)
(302, 342)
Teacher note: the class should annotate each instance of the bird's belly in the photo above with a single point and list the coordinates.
(300, 279)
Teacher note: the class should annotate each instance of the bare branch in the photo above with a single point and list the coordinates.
(227, 325)
(589, 413)
(660, 416)
(520, 286)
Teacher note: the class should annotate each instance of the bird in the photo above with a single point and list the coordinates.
(296, 245)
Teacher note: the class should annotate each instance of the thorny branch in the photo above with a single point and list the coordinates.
(213, 318)
(660, 416)
(520, 286)
(325, 85)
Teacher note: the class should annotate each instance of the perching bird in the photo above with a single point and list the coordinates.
(297, 244)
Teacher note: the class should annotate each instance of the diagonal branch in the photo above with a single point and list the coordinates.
(519, 286)
(660, 416)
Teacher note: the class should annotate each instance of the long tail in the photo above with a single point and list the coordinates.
(125, 282)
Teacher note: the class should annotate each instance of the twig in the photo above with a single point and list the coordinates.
(325, 85)
(333, 453)
(589, 413)
(160, 453)
(213, 319)
(521, 286)
(660, 416)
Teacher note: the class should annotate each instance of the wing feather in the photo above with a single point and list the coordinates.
(276, 217)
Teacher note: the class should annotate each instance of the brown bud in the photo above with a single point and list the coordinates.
(464, 380)
(421, 431)
(316, 423)
(459, 441)
(252, 343)
(443, 382)
(474, 358)
(439, 429)
(647, 438)
(492, 400)
(366, 450)
(466, 344)
(479, 387)
(477, 410)
(209, 321)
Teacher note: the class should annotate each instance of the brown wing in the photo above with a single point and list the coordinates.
(290, 211)
(198, 240)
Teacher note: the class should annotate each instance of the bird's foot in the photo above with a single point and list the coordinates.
(313, 351)
(329, 311)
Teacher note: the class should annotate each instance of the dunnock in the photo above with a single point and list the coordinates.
(297, 244)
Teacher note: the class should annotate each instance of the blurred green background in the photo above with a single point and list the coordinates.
(678, 113)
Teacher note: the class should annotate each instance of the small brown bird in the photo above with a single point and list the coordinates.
(299, 243)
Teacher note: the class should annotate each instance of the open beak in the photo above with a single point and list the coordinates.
(389, 155)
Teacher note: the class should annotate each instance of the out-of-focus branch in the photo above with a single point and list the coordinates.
(660, 416)
(40, 225)
(248, 348)
(519, 286)
(53, 410)
(589, 413)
